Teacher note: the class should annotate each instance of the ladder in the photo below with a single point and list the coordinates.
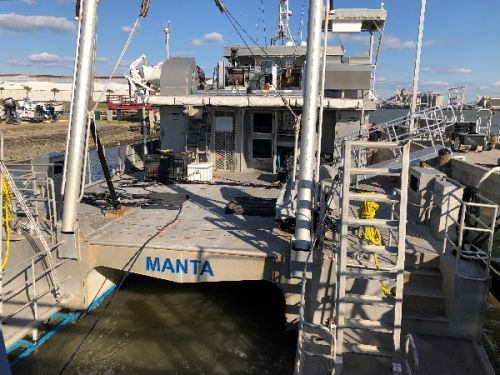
(35, 227)
(347, 270)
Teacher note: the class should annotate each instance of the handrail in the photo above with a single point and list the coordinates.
(485, 204)
(410, 344)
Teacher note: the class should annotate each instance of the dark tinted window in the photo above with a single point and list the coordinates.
(262, 148)
(262, 122)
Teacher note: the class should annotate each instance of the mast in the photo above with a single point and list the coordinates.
(283, 32)
(308, 137)
(79, 116)
(416, 72)
(167, 39)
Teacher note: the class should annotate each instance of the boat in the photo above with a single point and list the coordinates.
(364, 234)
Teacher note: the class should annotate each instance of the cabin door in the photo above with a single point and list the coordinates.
(262, 140)
(224, 140)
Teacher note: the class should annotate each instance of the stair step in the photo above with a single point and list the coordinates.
(421, 260)
(380, 223)
(371, 325)
(369, 274)
(374, 197)
(424, 300)
(423, 277)
(368, 349)
(374, 249)
(370, 300)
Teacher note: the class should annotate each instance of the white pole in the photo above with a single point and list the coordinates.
(416, 72)
(308, 131)
(167, 39)
(77, 134)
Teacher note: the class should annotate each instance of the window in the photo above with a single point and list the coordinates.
(263, 123)
(262, 148)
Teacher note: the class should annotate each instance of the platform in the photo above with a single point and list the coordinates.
(198, 242)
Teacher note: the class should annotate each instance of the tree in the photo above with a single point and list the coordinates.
(28, 90)
(109, 91)
(55, 91)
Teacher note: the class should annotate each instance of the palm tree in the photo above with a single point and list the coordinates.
(28, 90)
(1, 91)
(109, 91)
(55, 91)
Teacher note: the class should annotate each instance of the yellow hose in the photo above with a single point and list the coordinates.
(367, 210)
(7, 217)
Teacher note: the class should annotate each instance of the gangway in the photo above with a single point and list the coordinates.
(430, 124)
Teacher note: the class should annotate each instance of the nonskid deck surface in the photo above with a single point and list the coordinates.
(199, 231)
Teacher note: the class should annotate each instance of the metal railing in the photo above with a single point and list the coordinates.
(430, 123)
(473, 213)
(412, 362)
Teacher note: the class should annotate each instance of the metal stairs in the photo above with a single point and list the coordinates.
(35, 227)
(364, 334)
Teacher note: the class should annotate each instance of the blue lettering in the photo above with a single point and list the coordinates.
(150, 266)
(195, 263)
(167, 265)
(181, 266)
(206, 269)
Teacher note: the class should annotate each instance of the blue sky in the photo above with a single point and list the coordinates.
(462, 42)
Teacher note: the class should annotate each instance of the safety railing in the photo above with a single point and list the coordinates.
(430, 123)
(412, 362)
(475, 217)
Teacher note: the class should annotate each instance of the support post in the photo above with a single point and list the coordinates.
(416, 72)
(307, 159)
(77, 134)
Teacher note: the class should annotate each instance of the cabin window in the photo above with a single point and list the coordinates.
(262, 148)
(263, 123)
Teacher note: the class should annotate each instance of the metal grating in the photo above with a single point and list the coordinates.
(225, 145)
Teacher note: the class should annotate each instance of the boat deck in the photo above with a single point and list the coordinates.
(198, 231)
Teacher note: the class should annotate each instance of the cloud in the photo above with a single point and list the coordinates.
(19, 62)
(183, 54)
(497, 84)
(388, 42)
(447, 69)
(128, 28)
(19, 23)
(210, 39)
(435, 83)
(27, 1)
(44, 57)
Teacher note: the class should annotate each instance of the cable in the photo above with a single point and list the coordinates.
(130, 264)
(7, 207)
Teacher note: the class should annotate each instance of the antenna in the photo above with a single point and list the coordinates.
(283, 32)
(167, 39)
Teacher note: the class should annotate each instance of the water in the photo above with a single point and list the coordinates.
(157, 327)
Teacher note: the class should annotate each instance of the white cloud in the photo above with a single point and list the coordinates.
(447, 69)
(394, 42)
(497, 84)
(183, 54)
(19, 62)
(210, 39)
(27, 1)
(128, 28)
(19, 23)
(435, 83)
(44, 57)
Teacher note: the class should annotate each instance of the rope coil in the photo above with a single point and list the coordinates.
(368, 210)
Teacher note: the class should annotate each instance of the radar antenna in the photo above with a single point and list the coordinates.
(283, 33)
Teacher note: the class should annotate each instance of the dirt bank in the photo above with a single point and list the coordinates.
(23, 141)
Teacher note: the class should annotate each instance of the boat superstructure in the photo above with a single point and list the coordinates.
(366, 236)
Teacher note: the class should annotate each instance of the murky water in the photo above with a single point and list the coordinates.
(157, 327)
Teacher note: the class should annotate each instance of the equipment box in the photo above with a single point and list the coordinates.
(200, 172)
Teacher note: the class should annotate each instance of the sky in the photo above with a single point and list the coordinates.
(461, 38)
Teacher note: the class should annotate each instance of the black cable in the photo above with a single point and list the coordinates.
(130, 264)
